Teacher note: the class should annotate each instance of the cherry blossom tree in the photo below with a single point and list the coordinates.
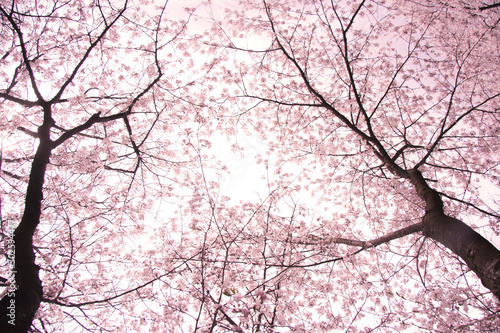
(381, 122)
(377, 129)
(94, 134)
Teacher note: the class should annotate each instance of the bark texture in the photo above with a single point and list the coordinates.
(18, 309)
(479, 254)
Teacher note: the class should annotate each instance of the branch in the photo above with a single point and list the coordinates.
(369, 138)
(17, 100)
(489, 6)
(402, 149)
(354, 16)
(469, 204)
(27, 131)
(235, 326)
(57, 97)
(396, 234)
(107, 300)
(444, 130)
(417, 227)
(65, 136)
(24, 53)
(10, 174)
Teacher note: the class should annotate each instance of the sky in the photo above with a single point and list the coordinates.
(244, 179)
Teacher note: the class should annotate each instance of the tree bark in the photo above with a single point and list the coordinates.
(18, 308)
(479, 254)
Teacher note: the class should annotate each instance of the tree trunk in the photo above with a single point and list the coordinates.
(18, 308)
(479, 254)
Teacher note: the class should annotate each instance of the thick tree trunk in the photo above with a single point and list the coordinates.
(479, 254)
(18, 308)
